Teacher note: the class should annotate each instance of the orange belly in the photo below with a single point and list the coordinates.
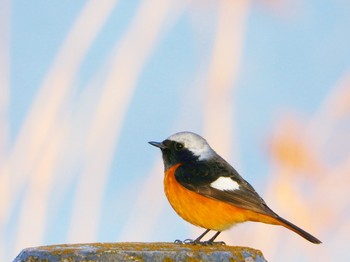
(203, 211)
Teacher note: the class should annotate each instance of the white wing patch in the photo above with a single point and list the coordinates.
(225, 184)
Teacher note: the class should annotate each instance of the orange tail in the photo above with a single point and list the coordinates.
(277, 220)
(298, 230)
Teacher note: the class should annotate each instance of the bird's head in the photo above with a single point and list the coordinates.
(184, 147)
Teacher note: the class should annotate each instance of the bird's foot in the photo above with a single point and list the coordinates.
(186, 241)
(211, 243)
(203, 243)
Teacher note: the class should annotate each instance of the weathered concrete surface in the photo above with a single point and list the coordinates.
(139, 252)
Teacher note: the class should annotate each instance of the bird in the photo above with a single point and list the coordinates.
(206, 191)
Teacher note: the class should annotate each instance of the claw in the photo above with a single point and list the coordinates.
(210, 243)
(178, 241)
(189, 241)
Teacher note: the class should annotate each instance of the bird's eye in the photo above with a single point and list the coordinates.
(179, 146)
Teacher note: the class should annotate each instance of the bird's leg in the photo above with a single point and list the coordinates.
(190, 241)
(198, 239)
(211, 240)
(213, 237)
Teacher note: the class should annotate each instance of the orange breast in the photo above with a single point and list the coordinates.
(203, 211)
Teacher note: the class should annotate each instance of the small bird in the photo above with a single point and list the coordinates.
(208, 192)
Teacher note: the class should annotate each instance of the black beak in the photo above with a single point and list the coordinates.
(158, 144)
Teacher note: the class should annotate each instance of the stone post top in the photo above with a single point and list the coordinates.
(137, 251)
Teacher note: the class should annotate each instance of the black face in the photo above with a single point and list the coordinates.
(175, 152)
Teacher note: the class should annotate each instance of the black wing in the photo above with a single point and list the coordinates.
(198, 177)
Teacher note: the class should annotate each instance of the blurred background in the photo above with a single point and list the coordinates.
(84, 85)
